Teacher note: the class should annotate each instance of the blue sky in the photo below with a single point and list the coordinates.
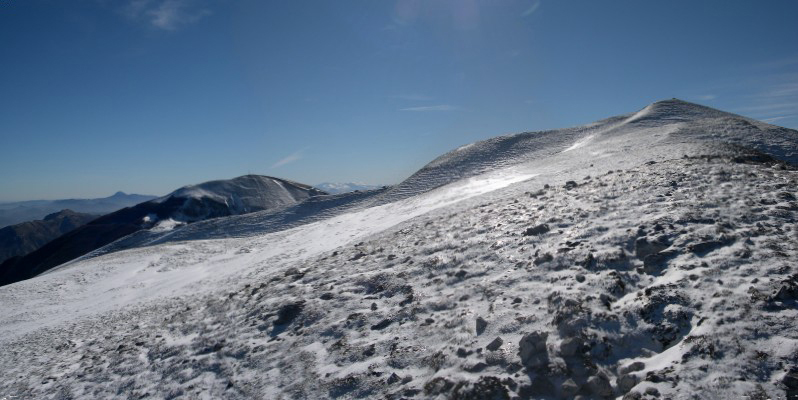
(145, 96)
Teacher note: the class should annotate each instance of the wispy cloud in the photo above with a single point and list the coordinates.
(774, 119)
(531, 10)
(413, 97)
(295, 156)
(166, 15)
(439, 107)
(707, 97)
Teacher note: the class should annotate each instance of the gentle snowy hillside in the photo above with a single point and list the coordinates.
(338, 188)
(214, 199)
(649, 255)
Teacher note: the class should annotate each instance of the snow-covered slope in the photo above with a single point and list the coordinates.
(160, 216)
(338, 188)
(632, 257)
(240, 195)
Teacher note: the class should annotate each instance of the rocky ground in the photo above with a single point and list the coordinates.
(667, 279)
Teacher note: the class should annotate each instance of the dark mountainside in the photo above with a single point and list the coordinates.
(21, 239)
(189, 204)
(18, 212)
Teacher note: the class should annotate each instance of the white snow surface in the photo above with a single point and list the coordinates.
(649, 248)
(246, 193)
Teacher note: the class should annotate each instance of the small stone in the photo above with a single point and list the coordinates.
(495, 344)
(580, 278)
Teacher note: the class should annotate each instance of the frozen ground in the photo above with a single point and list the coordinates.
(631, 258)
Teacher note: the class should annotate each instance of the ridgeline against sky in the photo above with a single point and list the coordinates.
(148, 95)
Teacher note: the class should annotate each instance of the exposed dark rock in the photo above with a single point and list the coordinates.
(654, 263)
(569, 388)
(487, 388)
(702, 248)
(539, 387)
(287, 313)
(600, 386)
(382, 324)
(633, 367)
(645, 247)
(627, 382)
(544, 258)
(481, 325)
(532, 350)
(571, 346)
(536, 230)
(495, 344)
(438, 386)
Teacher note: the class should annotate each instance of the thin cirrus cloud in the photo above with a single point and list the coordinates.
(168, 15)
(439, 107)
(707, 97)
(295, 156)
(531, 9)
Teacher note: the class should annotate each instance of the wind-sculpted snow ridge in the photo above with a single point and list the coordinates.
(647, 256)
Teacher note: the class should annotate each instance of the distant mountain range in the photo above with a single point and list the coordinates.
(23, 238)
(188, 204)
(21, 211)
(336, 188)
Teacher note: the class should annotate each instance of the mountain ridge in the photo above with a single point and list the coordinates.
(187, 204)
(629, 258)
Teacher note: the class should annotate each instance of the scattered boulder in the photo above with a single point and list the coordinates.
(570, 185)
(571, 346)
(600, 386)
(537, 230)
(481, 325)
(790, 381)
(569, 388)
(702, 248)
(539, 387)
(532, 350)
(436, 386)
(495, 344)
(645, 247)
(654, 263)
(627, 382)
(288, 312)
(487, 387)
(633, 367)
(381, 325)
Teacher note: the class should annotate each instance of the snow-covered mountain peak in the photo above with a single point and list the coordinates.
(246, 193)
(626, 258)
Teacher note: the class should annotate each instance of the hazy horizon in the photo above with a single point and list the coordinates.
(145, 96)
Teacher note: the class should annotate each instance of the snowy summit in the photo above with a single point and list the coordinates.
(647, 255)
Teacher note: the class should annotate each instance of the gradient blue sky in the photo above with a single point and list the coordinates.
(145, 96)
